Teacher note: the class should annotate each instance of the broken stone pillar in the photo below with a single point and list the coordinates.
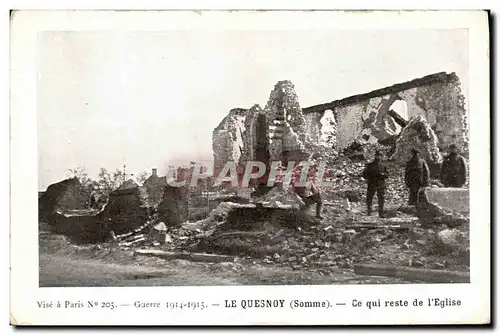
(287, 125)
(417, 135)
(227, 138)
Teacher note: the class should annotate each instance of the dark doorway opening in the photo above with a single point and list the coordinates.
(262, 147)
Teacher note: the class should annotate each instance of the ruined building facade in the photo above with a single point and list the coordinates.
(283, 131)
(437, 98)
(277, 132)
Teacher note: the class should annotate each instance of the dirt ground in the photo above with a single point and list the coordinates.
(62, 264)
(65, 264)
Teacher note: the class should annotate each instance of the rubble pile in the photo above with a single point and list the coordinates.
(354, 151)
(345, 181)
(419, 135)
(328, 247)
(431, 214)
(453, 243)
(281, 198)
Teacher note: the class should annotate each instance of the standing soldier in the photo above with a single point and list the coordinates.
(375, 174)
(416, 175)
(453, 169)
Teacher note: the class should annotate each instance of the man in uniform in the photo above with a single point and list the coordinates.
(416, 175)
(453, 169)
(375, 174)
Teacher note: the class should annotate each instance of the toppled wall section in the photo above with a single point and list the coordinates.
(438, 98)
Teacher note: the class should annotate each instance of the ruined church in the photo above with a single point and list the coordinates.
(432, 106)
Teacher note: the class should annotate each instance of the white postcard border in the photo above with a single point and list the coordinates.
(25, 293)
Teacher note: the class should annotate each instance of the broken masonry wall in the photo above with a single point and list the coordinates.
(286, 122)
(281, 125)
(368, 119)
(321, 130)
(292, 132)
(444, 106)
(348, 127)
(313, 125)
(328, 131)
(227, 138)
(250, 135)
(438, 98)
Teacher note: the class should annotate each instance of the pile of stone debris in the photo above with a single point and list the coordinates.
(342, 240)
(346, 181)
(326, 248)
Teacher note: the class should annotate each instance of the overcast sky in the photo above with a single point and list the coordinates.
(152, 99)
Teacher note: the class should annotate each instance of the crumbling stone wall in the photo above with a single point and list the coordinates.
(331, 127)
(250, 135)
(321, 130)
(368, 119)
(227, 138)
(328, 131)
(313, 125)
(285, 130)
(438, 98)
(287, 125)
(444, 108)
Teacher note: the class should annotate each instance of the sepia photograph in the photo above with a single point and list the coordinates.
(123, 114)
(331, 165)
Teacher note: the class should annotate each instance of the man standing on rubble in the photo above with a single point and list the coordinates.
(416, 175)
(375, 174)
(453, 169)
